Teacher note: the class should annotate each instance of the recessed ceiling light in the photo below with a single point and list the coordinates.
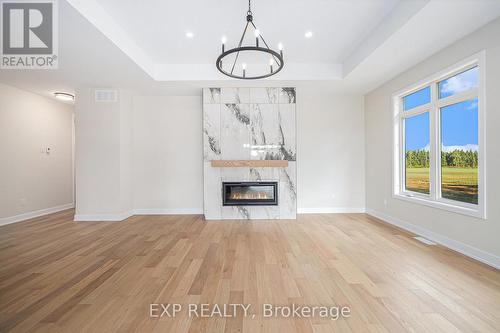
(64, 96)
(308, 34)
(189, 34)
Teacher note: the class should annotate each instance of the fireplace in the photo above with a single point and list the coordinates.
(250, 193)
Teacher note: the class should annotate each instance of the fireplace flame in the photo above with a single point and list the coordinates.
(248, 195)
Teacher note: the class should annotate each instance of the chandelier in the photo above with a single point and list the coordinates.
(228, 62)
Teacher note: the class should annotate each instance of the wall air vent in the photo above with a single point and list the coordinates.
(106, 95)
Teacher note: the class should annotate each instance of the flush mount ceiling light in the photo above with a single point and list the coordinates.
(232, 62)
(189, 34)
(64, 96)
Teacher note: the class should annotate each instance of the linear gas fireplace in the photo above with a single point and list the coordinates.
(250, 193)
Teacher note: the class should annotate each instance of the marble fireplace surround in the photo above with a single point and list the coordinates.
(249, 124)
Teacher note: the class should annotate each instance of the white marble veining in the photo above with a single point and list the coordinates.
(264, 212)
(235, 131)
(211, 132)
(263, 174)
(234, 174)
(287, 130)
(264, 132)
(287, 95)
(235, 95)
(288, 192)
(264, 95)
(211, 95)
(249, 123)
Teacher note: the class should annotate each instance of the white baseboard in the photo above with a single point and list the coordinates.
(467, 250)
(102, 217)
(330, 210)
(140, 211)
(37, 213)
(195, 211)
(168, 211)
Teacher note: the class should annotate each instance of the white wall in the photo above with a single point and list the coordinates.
(167, 159)
(103, 156)
(330, 138)
(474, 236)
(31, 181)
(168, 153)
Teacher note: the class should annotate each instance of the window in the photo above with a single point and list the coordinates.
(439, 151)
(417, 177)
(423, 96)
(459, 155)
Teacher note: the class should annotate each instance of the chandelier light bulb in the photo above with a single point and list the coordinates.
(271, 61)
(280, 46)
(224, 39)
(257, 33)
(244, 66)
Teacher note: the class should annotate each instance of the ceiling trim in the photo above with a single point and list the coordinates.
(401, 14)
(95, 14)
(208, 72)
(411, 32)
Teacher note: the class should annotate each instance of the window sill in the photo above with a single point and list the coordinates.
(474, 212)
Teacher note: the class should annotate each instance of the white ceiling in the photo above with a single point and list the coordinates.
(158, 27)
(356, 45)
(346, 33)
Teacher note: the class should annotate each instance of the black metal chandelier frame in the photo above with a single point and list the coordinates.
(277, 57)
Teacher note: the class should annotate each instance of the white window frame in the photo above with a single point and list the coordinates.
(434, 199)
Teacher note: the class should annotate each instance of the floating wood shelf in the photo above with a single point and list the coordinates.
(249, 163)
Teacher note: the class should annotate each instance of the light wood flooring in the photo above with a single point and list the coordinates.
(57, 275)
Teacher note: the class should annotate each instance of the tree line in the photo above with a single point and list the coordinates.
(456, 159)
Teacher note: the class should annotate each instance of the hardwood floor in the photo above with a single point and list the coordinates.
(60, 276)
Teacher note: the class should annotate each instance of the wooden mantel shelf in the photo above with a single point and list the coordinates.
(249, 163)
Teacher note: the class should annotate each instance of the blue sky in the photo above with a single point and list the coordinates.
(459, 122)
(417, 132)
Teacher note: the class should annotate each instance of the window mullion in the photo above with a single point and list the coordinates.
(402, 158)
(434, 143)
(460, 97)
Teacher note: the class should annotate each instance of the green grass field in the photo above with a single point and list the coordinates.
(458, 183)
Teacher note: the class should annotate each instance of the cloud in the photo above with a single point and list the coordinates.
(466, 147)
(461, 82)
(472, 105)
